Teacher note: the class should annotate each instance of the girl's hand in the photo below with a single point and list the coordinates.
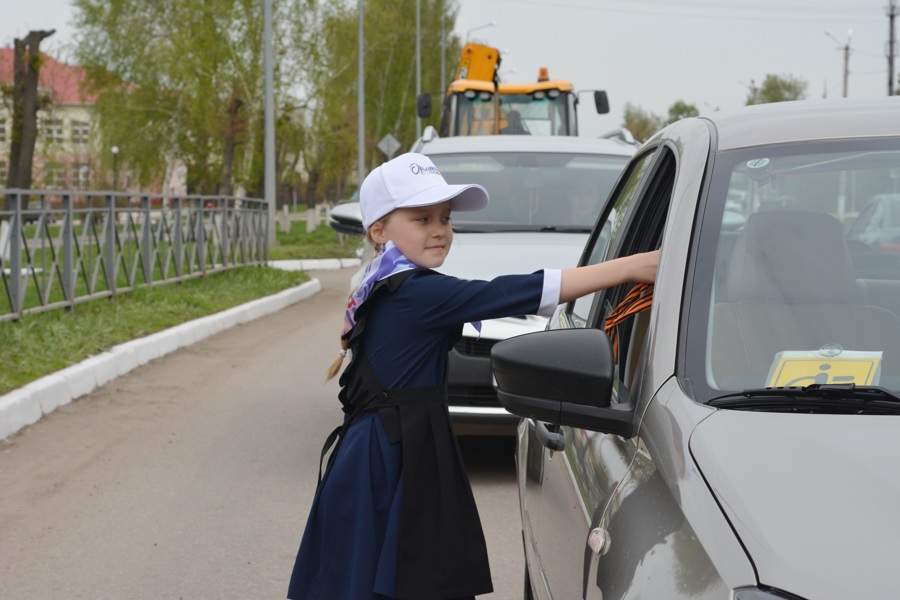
(642, 268)
(581, 281)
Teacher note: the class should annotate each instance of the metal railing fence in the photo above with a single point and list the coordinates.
(60, 248)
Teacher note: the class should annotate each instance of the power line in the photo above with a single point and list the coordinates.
(652, 12)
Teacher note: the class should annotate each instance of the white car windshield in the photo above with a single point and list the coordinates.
(797, 279)
(533, 191)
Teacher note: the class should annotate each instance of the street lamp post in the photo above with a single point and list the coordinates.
(491, 24)
(115, 153)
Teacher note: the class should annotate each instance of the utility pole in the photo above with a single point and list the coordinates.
(361, 102)
(846, 48)
(269, 120)
(443, 47)
(891, 47)
(418, 64)
(846, 63)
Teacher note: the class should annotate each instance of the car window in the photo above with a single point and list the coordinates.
(876, 219)
(598, 247)
(533, 191)
(864, 221)
(643, 233)
(802, 283)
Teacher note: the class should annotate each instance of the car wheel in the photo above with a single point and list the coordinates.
(527, 595)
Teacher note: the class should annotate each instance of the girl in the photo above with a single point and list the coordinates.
(394, 515)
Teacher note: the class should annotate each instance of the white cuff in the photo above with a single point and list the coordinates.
(550, 295)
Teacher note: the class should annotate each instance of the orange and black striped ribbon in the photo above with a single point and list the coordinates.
(638, 299)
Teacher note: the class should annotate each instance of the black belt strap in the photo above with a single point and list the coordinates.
(385, 403)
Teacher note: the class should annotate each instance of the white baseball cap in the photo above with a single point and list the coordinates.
(412, 180)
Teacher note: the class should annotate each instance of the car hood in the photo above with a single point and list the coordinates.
(487, 255)
(815, 499)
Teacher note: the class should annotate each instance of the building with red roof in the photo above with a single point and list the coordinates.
(63, 153)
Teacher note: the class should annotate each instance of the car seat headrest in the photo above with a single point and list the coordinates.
(791, 257)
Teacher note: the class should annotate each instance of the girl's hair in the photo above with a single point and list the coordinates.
(370, 249)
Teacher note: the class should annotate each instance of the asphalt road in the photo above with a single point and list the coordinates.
(191, 477)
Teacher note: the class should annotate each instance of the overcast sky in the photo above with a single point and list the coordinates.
(646, 52)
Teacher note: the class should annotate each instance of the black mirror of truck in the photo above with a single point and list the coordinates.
(561, 376)
(423, 105)
(601, 102)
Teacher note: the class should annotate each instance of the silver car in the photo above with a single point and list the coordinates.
(546, 193)
(741, 438)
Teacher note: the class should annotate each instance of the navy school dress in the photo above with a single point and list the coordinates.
(393, 515)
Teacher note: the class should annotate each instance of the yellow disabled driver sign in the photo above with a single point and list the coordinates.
(829, 365)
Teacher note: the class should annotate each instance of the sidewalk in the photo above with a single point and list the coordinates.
(26, 405)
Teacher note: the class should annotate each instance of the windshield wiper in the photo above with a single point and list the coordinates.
(818, 397)
(506, 228)
(566, 228)
(471, 229)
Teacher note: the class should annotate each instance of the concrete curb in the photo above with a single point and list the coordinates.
(26, 405)
(315, 264)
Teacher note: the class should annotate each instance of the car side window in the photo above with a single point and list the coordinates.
(876, 219)
(625, 194)
(643, 233)
(860, 225)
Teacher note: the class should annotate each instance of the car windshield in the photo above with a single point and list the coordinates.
(533, 191)
(797, 279)
(539, 113)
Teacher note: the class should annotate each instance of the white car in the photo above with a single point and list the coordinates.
(546, 194)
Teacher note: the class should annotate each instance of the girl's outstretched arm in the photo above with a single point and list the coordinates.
(639, 268)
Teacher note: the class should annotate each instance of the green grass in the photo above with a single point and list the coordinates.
(321, 243)
(47, 277)
(31, 229)
(43, 343)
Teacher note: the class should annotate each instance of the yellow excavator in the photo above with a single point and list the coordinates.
(478, 103)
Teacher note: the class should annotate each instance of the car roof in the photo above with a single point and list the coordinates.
(892, 199)
(806, 120)
(525, 143)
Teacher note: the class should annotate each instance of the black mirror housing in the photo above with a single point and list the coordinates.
(601, 102)
(346, 226)
(423, 105)
(561, 376)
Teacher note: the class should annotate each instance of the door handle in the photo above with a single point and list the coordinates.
(554, 440)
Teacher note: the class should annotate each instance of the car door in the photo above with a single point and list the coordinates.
(558, 509)
(581, 478)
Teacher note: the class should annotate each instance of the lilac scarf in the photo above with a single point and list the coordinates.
(389, 262)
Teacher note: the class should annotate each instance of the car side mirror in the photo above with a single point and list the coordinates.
(562, 376)
(423, 105)
(601, 102)
(347, 218)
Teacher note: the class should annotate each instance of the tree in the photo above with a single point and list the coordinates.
(390, 75)
(183, 79)
(681, 110)
(640, 123)
(25, 103)
(777, 88)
